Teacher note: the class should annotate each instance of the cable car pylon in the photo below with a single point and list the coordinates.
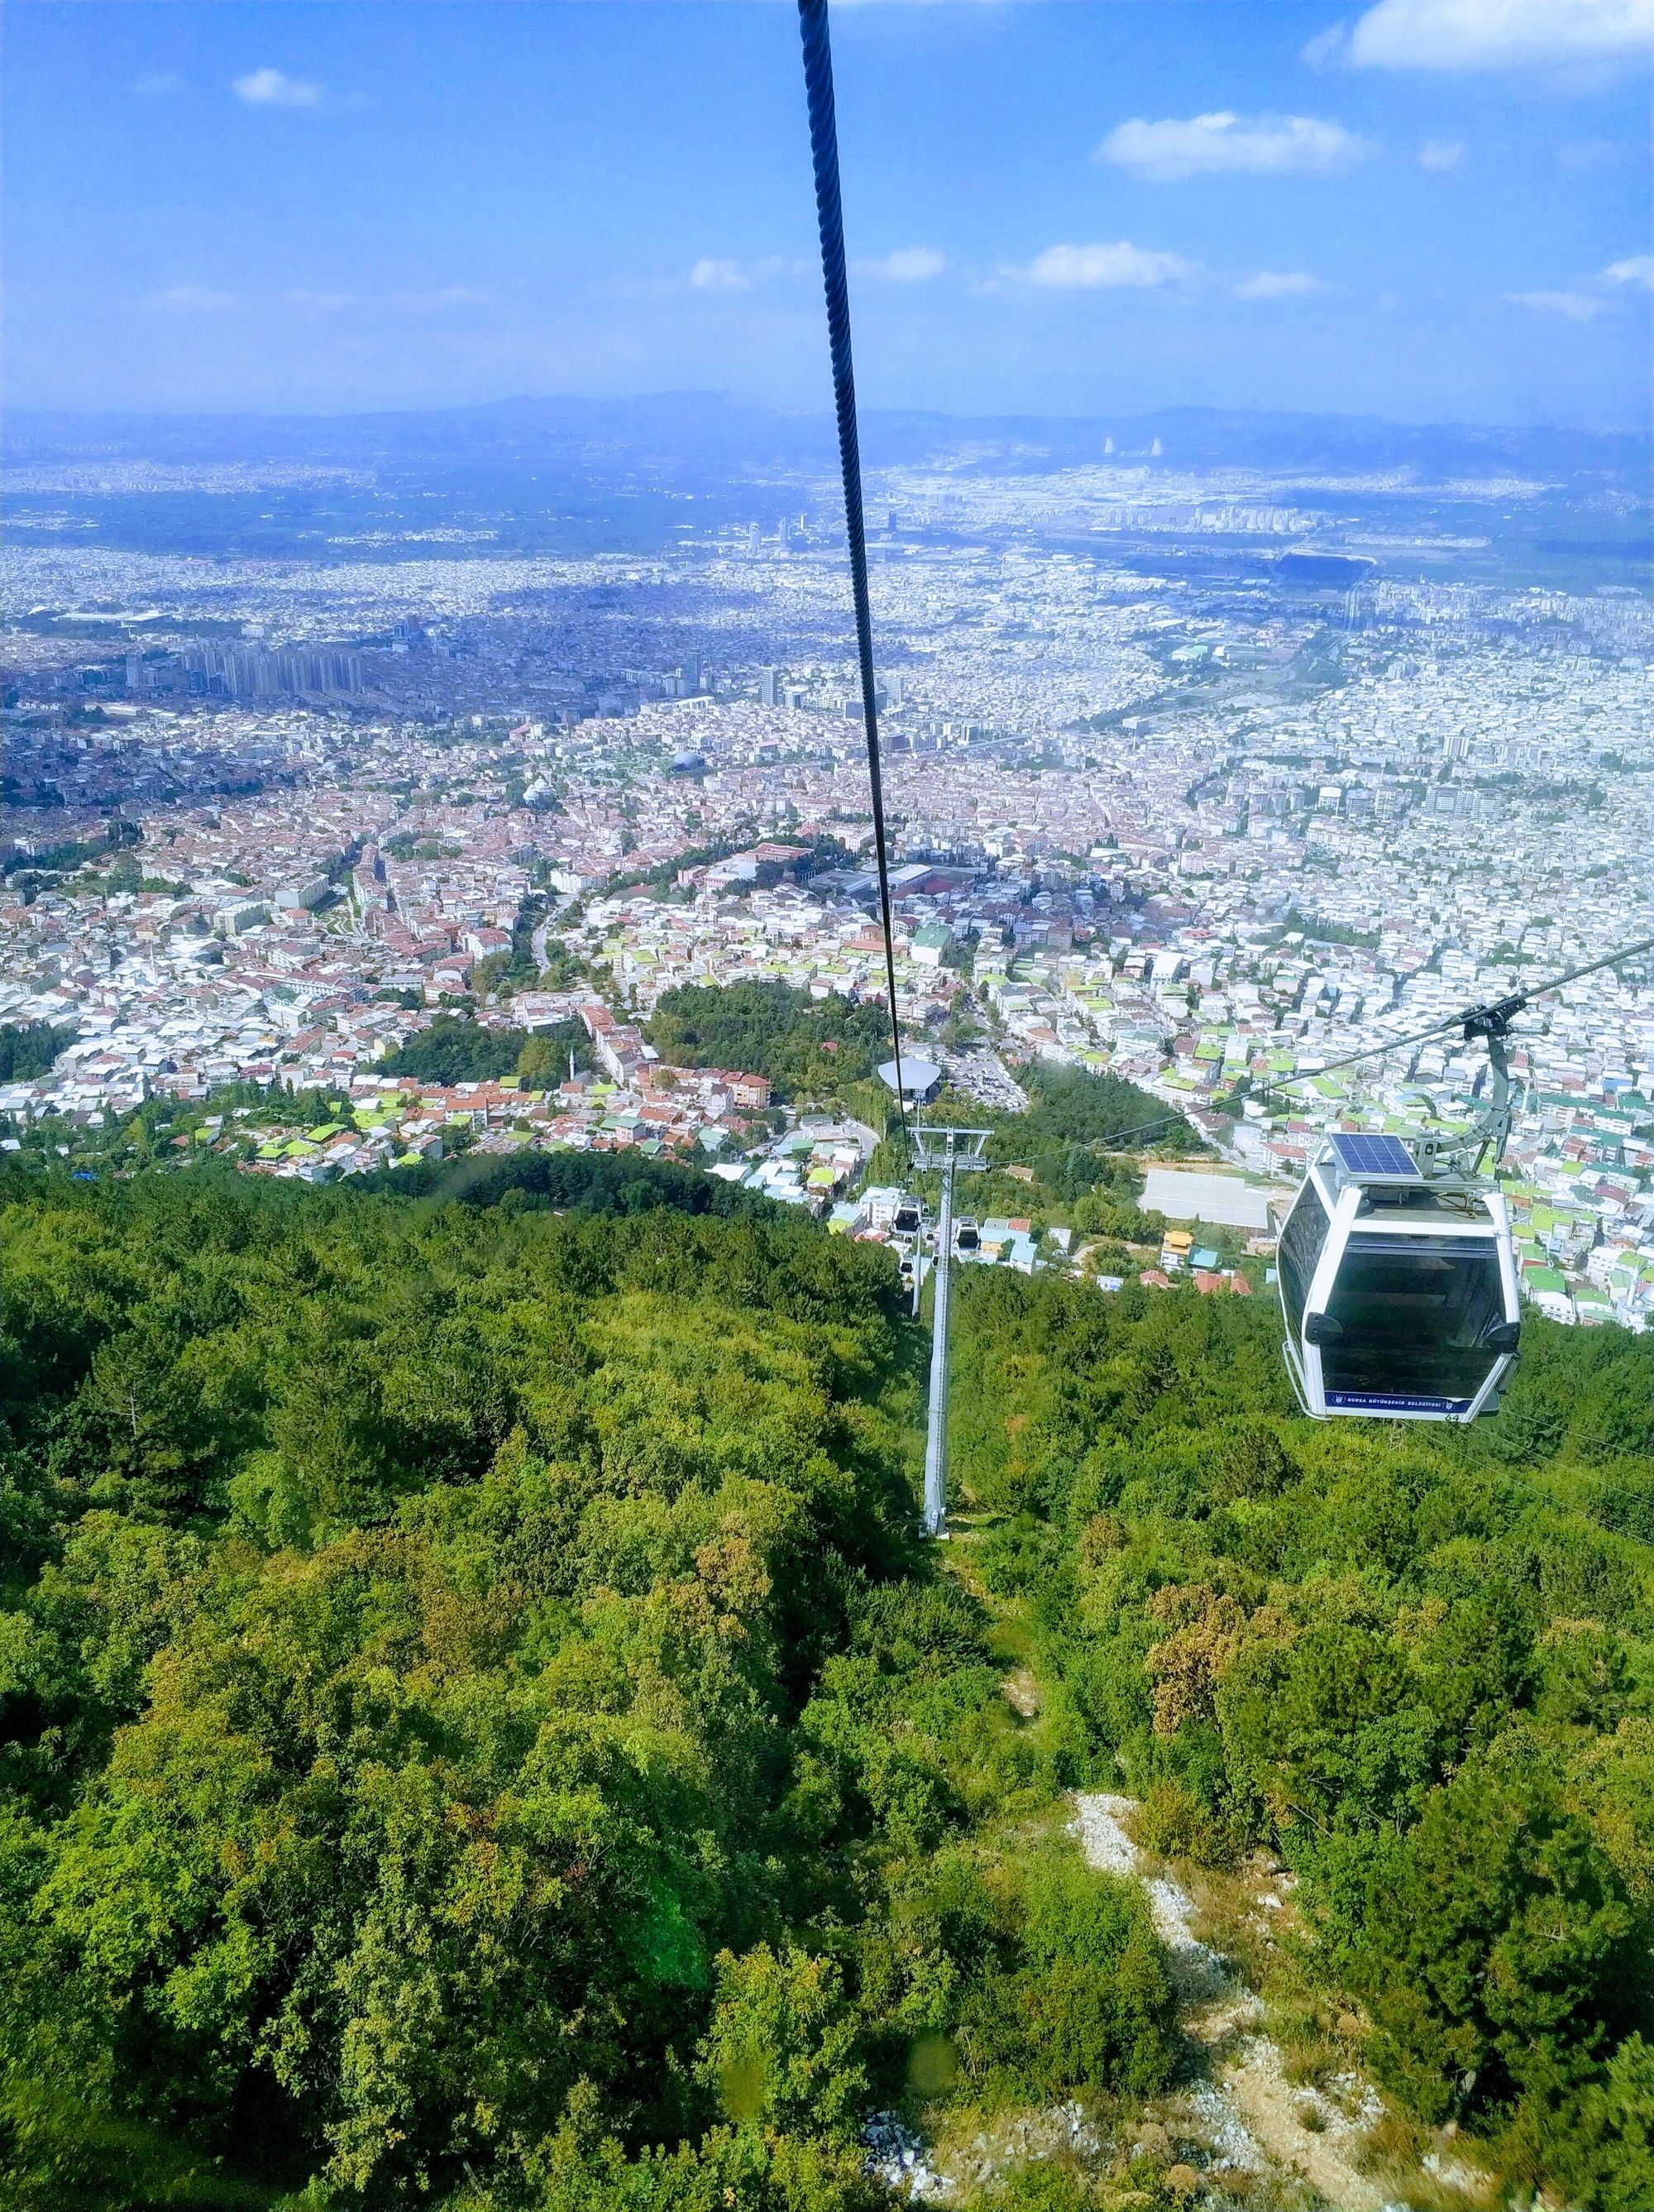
(951, 1152)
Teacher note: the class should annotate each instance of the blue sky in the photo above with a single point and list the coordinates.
(1431, 210)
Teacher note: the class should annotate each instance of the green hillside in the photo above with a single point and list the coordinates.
(473, 1711)
(1416, 1662)
(477, 1727)
(806, 1047)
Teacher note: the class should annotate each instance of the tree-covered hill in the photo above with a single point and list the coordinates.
(806, 1047)
(1416, 1662)
(1065, 1157)
(1072, 1106)
(455, 1048)
(477, 1727)
(30, 1049)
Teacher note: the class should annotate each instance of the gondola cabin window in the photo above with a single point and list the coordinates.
(1413, 1314)
(1301, 1242)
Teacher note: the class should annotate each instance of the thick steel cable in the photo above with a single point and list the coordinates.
(824, 152)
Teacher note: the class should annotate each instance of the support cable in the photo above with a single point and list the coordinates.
(824, 153)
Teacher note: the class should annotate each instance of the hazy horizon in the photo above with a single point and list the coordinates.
(804, 411)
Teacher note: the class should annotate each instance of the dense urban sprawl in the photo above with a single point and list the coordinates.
(1207, 832)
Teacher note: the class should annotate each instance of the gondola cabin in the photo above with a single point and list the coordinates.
(1398, 1285)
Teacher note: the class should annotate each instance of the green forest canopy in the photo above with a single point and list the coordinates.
(1072, 1140)
(1076, 1106)
(806, 1047)
(453, 1049)
(1417, 1664)
(474, 1712)
(29, 1049)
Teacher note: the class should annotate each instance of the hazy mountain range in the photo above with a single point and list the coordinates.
(701, 434)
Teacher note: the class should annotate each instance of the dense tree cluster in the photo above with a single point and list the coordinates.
(1065, 1158)
(1075, 1106)
(29, 1049)
(806, 1047)
(1417, 1663)
(47, 864)
(476, 1726)
(455, 1048)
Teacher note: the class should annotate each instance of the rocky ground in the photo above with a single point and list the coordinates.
(1246, 2133)
(1258, 2117)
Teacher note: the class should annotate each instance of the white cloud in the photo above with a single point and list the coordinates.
(320, 303)
(190, 300)
(1205, 145)
(440, 301)
(1489, 34)
(908, 264)
(1573, 307)
(271, 87)
(1577, 305)
(1101, 268)
(1438, 154)
(1278, 284)
(157, 84)
(1580, 157)
(712, 275)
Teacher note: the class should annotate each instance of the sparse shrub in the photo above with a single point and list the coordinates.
(1173, 1824)
(1045, 2187)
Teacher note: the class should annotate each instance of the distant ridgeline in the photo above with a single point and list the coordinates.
(688, 432)
(586, 476)
(477, 1727)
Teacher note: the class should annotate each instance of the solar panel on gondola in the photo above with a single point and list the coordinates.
(1367, 1155)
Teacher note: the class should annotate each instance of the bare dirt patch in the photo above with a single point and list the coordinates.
(1022, 1693)
(1253, 2115)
